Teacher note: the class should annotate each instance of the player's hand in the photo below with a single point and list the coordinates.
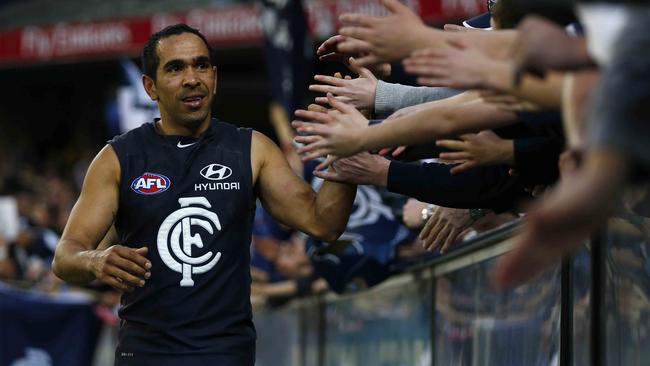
(121, 267)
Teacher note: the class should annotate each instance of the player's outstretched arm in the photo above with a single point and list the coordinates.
(76, 259)
(292, 201)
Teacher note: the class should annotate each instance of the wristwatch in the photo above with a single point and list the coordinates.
(427, 212)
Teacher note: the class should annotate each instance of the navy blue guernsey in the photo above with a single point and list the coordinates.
(192, 203)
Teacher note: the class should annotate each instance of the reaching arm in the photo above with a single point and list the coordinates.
(393, 37)
(291, 200)
(76, 259)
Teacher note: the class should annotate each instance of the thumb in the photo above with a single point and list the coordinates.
(454, 28)
(360, 70)
(142, 250)
(338, 105)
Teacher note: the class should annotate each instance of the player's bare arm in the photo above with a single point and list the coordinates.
(292, 201)
(76, 258)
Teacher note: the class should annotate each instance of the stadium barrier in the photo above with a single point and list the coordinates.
(593, 309)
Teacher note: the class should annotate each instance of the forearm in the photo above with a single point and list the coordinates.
(432, 123)
(72, 262)
(496, 44)
(481, 187)
(546, 92)
(391, 97)
(332, 208)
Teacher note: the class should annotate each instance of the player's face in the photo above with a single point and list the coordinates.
(185, 80)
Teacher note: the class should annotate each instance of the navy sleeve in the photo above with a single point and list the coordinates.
(482, 187)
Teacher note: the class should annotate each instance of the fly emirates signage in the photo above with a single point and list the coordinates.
(231, 25)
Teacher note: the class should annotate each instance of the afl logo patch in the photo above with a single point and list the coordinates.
(150, 183)
(216, 172)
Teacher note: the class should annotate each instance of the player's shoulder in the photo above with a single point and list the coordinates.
(131, 136)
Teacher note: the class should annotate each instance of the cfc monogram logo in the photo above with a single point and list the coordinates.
(179, 223)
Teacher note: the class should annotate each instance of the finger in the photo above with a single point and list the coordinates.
(454, 28)
(356, 19)
(325, 89)
(124, 276)
(435, 231)
(310, 128)
(385, 151)
(354, 67)
(307, 139)
(398, 151)
(340, 106)
(333, 80)
(330, 57)
(329, 44)
(325, 164)
(129, 267)
(426, 56)
(462, 167)
(134, 256)
(117, 284)
(451, 239)
(321, 100)
(441, 237)
(428, 53)
(312, 147)
(327, 175)
(355, 46)
(431, 222)
(359, 33)
(360, 70)
(317, 108)
(368, 60)
(452, 144)
(325, 101)
(314, 116)
(455, 156)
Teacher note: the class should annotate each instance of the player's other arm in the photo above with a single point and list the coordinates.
(291, 200)
(76, 259)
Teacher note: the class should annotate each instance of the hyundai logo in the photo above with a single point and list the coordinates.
(216, 172)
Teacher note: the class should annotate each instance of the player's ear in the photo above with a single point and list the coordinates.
(150, 87)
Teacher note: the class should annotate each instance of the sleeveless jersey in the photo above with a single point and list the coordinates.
(192, 203)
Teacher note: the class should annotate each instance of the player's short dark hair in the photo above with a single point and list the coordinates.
(150, 58)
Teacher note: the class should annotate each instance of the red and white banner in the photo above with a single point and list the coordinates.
(221, 26)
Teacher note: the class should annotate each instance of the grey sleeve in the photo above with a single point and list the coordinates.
(391, 97)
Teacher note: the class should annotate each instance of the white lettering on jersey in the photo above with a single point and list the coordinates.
(180, 223)
(225, 186)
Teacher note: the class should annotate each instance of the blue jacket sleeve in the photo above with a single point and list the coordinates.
(481, 187)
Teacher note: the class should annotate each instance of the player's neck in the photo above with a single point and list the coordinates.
(166, 127)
